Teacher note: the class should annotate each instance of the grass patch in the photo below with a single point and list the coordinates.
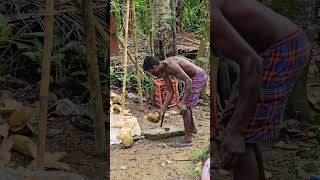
(194, 172)
(199, 154)
(195, 136)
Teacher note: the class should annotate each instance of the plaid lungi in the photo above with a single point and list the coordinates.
(282, 63)
(198, 82)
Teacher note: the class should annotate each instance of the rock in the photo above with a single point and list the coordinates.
(22, 173)
(163, 164)
(161, 133)
(66, 107)
(302, 174)
(268, 174)
(163, 145)
(272, 156)
(52, 98)
(309, 167)
(169, 162)
(5, 94)
(54, 132)
(132, 96)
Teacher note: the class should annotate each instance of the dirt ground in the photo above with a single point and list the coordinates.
(155, 159)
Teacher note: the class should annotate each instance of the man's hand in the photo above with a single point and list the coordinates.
(161, 112)
(182, 107)
(230, 149)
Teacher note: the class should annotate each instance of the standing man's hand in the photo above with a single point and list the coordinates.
(182, 107)
(231, 147)
(161, 112)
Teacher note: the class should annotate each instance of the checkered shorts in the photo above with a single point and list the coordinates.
(282, 63)
(198, 81)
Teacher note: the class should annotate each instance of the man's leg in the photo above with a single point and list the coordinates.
(247, 167)
(187, 126)
(260, 162)
(193, 126)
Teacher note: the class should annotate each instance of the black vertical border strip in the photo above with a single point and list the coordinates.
(107, 125)
(213, 115)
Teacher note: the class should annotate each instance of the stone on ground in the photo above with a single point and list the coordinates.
(163, 132)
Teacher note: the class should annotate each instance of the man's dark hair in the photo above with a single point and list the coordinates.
(149, 62)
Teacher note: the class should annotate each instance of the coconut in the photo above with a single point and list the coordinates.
(127, 140)
(153, 117)
(118, 123)
(117, 107)
(116, 99)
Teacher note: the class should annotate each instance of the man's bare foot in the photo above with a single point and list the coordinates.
(194, 131)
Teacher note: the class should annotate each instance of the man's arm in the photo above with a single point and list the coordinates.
(169, 93)
(180, 74)
(233, 46)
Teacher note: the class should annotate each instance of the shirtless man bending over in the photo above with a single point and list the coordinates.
(271, 52)
(194, 78)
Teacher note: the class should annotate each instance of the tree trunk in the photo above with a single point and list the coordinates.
(163, 42)
(44, 89)
(136, 57)
(179, 16)
(214, 63)
(95, 104)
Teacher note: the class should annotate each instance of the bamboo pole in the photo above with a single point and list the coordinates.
(44, 87)
(96, 103)
(136, 57)
(129, 54)
(152, 27)
(125, 65)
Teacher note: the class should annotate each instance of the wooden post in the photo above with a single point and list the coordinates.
(174, 27)
(136, 57)
(125, 65)
(96, 103)
(44, 87)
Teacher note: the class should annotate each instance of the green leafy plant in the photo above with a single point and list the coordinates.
(5, 30)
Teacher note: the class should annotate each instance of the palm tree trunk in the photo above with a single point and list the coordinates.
(96, 104)
(163, 41)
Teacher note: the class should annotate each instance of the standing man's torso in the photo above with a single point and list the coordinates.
(188, 67)
(256, 23)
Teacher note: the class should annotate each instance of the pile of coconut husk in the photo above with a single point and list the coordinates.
(18, 124)
(124, 124)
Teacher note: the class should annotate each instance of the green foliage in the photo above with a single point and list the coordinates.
(199, 154)
(284, 7)
(5, 30)
(194, 172)
(194, 16)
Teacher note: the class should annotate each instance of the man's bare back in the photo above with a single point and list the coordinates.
(255, 22)
(188, 67)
